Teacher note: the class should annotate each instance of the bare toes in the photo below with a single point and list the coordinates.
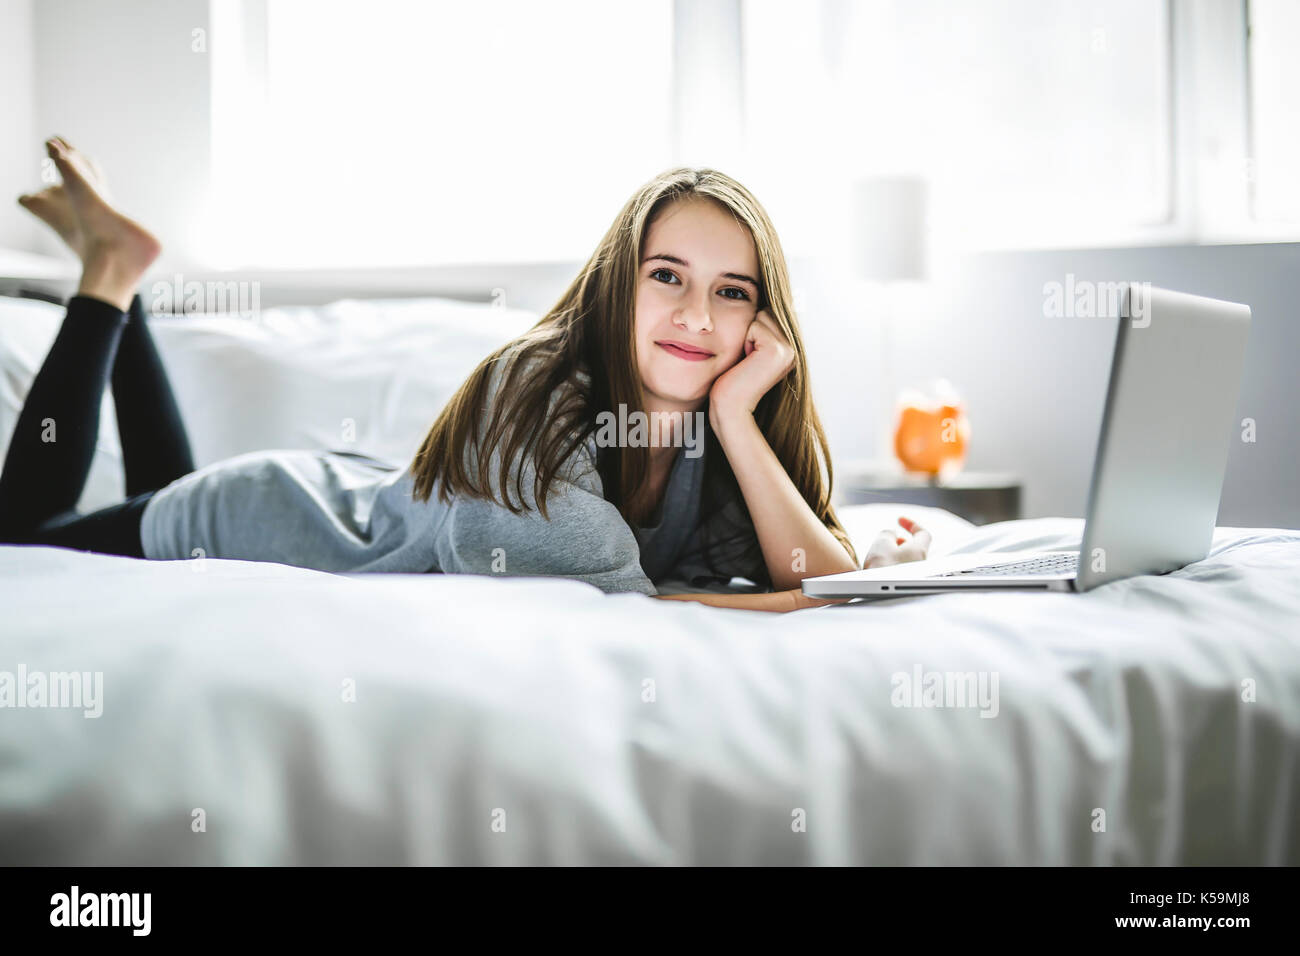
(53, 208)
(73, 176)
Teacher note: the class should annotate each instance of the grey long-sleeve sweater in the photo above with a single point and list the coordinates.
(344, 512)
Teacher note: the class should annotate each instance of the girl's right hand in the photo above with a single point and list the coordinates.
(888, 548)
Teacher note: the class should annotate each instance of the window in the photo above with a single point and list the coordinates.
(1275, 110)
(407, 133)
(1036, 123)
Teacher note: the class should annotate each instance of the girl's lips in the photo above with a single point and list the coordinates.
(673, 349)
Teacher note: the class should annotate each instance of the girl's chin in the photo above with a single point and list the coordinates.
(680, 389)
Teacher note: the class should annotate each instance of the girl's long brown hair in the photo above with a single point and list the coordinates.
(545, 408)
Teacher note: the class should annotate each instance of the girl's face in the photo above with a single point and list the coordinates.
(697, 293)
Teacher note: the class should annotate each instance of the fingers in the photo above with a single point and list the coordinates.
(912, 526)
(883, 543)
(890, 548)
(919, 535)
(763, 333)
(912, 551)
(918, 547)
(762, 322)
(883, 550)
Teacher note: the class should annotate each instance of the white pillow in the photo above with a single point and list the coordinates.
(366, 376)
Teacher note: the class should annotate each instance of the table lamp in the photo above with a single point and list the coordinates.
(891, 249)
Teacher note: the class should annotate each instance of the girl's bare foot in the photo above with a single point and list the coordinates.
(53, 208)
(115, 250)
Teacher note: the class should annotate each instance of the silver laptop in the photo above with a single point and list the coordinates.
(1168, 423)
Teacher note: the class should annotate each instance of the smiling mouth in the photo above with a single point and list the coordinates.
(682, 351)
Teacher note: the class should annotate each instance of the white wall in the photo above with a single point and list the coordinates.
(1035, 386)
(126, 86)
(20, 152)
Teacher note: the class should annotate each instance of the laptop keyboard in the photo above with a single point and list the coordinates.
(1047, 564)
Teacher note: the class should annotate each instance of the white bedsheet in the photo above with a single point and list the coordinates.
(539, 721)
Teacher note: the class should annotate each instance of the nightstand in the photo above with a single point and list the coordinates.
(978, 496)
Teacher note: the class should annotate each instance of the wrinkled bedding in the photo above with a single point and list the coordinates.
(263, 714)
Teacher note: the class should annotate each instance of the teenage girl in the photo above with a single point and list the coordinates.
(683, 310)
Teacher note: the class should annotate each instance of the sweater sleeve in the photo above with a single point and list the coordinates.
(583, 537)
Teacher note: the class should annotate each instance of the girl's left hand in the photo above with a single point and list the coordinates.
(889, 548)
(767, 360)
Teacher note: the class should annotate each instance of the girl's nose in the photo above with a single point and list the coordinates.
(695, 318)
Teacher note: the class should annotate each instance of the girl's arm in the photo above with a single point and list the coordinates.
(786, 527)
(779, 601)
(782, 519)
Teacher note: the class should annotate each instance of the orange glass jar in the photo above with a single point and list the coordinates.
(931, 432)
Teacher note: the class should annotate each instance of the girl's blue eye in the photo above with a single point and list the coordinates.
(667, 277)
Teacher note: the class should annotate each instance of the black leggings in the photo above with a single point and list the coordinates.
(53, 444)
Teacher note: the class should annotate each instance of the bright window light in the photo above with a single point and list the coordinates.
(1036, 122)
(395, 133)
(1275, 109)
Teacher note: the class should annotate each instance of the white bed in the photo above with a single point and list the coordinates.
(483, 701)
(500, 720)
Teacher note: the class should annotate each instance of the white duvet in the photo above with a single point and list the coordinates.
(261, 714)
